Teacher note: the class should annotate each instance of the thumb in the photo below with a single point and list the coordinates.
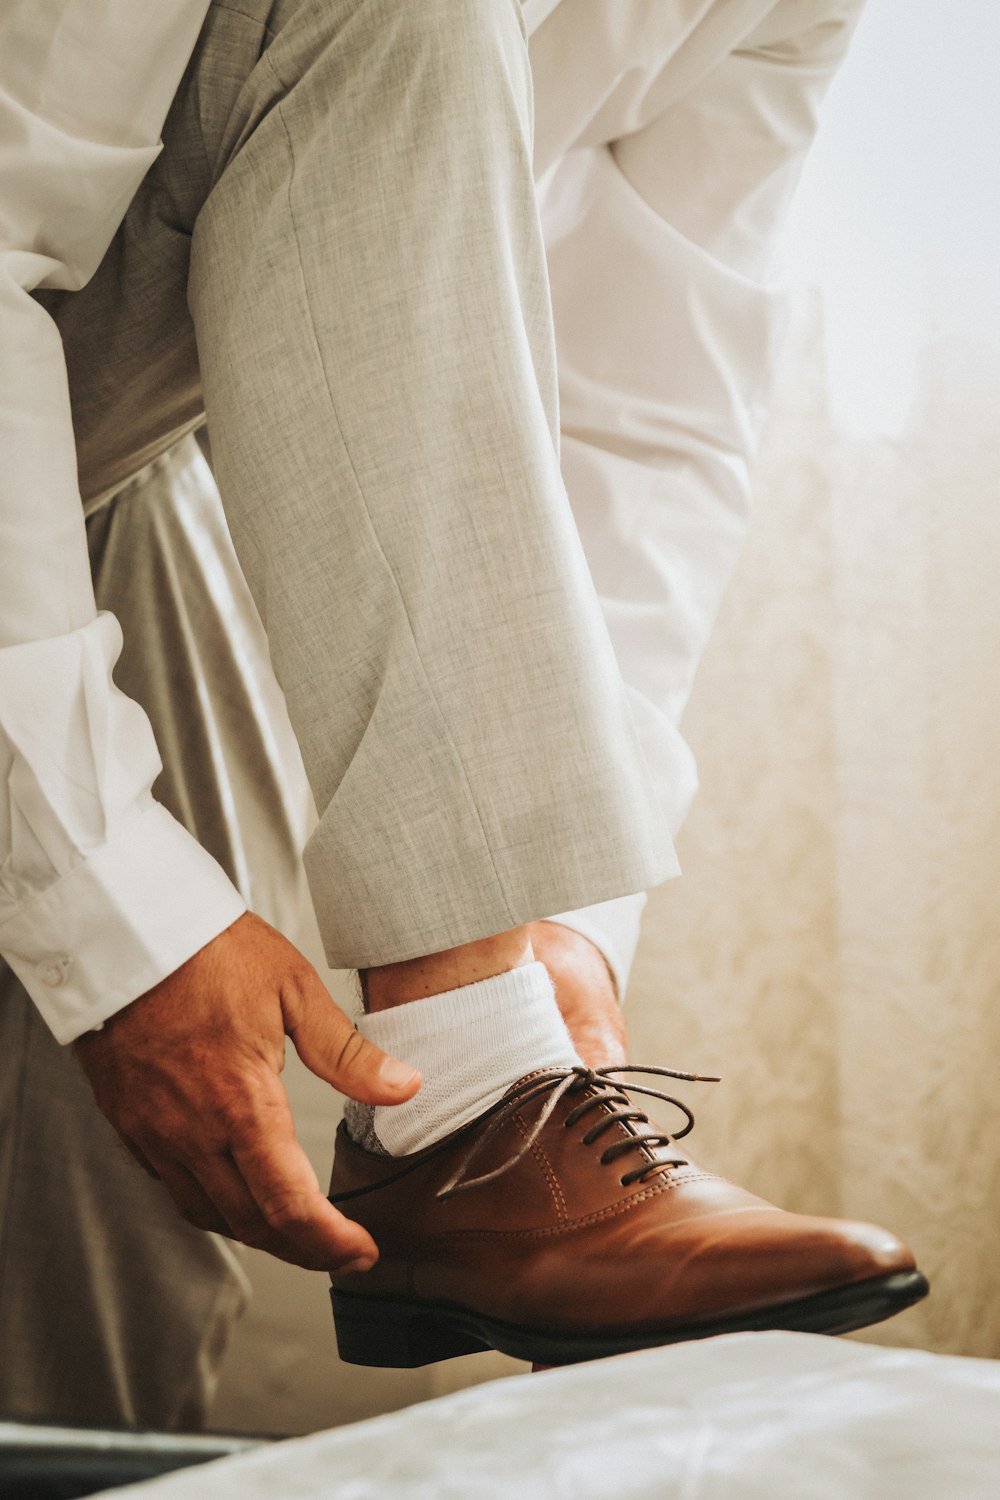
(331, 1047)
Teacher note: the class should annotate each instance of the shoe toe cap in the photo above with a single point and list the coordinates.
(798, 1256)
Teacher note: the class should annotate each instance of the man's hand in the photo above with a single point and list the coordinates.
(188, 1076)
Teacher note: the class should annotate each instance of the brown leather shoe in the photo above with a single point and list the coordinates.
(583, 1231)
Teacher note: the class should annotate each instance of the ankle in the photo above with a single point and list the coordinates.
(585, 993)
(470, 1044)
(419, 978)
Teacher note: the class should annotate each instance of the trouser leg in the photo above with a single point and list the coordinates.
(368, 290)
(113, 1310)
(669, 138)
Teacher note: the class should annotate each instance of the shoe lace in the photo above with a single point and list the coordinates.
(608, 1095)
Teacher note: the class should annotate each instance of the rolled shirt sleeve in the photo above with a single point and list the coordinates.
(102, 892)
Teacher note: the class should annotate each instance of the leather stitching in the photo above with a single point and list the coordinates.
(547, 1168)
(614, 1210)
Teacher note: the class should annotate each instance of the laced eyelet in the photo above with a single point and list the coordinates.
(608, 1094)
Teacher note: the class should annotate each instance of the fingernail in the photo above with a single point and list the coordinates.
(396, 1074)
(363, 1263)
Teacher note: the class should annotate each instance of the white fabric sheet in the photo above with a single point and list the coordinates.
(773, 1416)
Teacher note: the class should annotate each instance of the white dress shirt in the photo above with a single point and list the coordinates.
(102, 892)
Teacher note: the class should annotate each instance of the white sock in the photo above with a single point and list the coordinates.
(470, 1044)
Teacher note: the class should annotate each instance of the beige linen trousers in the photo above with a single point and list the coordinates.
(359, 251)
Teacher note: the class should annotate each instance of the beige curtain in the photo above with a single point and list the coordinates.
(834, 949)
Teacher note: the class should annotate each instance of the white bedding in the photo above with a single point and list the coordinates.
(772, 1416)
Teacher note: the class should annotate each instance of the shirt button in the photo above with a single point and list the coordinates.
(52, 973)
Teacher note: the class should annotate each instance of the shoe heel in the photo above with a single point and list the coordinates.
(396, 1335)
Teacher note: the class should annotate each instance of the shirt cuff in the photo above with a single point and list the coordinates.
(613, 927)
(118, 923)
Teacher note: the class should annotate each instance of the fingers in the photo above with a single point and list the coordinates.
(191, 1200)
(331, 1048)
(262, 1191)
(188, 1074)
(286, 1196)
(305, 1230)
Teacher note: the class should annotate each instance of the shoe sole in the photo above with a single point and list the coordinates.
(395, 1333)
